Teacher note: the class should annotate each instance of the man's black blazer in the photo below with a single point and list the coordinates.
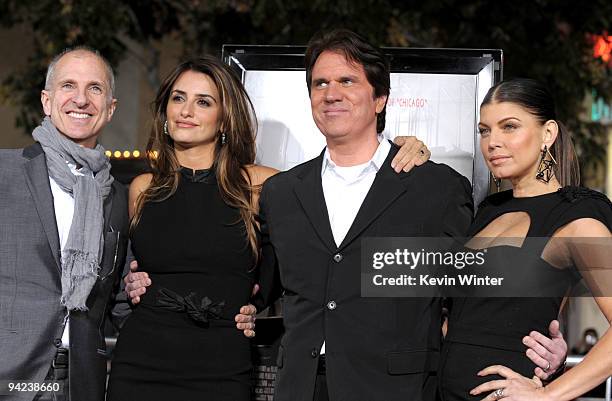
(376, 348)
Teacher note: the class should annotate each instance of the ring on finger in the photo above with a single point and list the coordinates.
(422, 152)
(499, 393)
(547, 366)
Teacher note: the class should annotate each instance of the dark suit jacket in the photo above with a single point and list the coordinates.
(376, 348)
(31, 317)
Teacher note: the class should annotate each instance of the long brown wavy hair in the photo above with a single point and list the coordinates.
(230, 159)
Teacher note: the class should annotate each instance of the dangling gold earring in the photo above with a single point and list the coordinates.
(497, 182)
(545, 168)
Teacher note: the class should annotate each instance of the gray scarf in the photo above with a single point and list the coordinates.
(83, 250)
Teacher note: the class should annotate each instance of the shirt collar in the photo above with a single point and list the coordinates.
(376, 161)
(78, 170)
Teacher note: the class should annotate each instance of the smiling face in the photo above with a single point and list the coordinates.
(193, 110)
(342, 100)
(78, 99)
(511, 140)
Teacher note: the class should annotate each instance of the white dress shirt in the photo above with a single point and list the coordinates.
(345, 188)
(63, 203)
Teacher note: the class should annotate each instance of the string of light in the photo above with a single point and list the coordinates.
(126, 154)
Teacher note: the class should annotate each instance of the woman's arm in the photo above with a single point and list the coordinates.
(245, 319)
(138, 185)
(136, 283)
(257, 176)
(597, 364)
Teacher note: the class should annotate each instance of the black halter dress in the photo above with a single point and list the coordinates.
(181, 342)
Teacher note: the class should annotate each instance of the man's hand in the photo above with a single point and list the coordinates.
(412, 153)
(136, 283)
(547, 353)
(245, 320)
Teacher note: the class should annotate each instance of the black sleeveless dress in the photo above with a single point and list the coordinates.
(489, 331)
(181, 342)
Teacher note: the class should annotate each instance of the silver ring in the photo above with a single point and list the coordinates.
(547, 366)
(499, 393)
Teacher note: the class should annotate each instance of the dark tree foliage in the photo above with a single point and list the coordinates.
(543, 39)
(105, 25)
(550, 40)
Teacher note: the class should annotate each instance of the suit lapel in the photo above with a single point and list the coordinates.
(309, 192)
(385, 189)
(37, 178)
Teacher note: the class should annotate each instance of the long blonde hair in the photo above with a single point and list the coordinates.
(230, 158)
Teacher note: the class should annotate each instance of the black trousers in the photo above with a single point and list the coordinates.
(58, 373)
(320, 391)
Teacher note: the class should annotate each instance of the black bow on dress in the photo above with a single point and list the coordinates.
(207, 309)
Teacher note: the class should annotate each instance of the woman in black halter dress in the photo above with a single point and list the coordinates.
(488, 331)
(519, 139)
(193, 231)
(181, 341)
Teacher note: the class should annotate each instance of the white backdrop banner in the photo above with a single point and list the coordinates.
(439, 109)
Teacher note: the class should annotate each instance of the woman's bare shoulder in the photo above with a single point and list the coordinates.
(140, 183)
(259, 174)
